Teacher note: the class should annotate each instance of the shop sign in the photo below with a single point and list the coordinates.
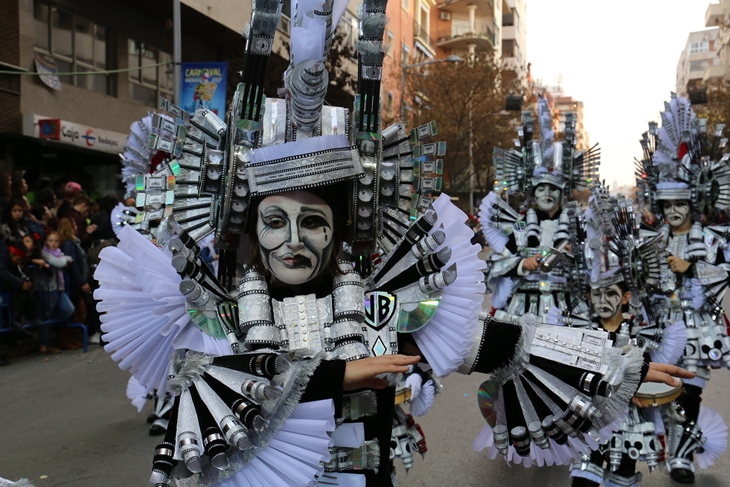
(79, 135)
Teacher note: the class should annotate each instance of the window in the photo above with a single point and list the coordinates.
(404, 4)
(699, 47)
(423, 20)
(76, 44)
(389, 44)
(389, 102)
(149, 83)
(700, 65)
(405, 55)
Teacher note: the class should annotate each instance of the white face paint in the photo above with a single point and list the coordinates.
(607, 301)
(295, 235)
(547, 197)
(676, 212)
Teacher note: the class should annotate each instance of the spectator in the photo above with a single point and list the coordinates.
(78, 273)
(78, 214)
(87, 182)
(5, 193)
(47, 197)
(54, 303)
(103, 218)
(43, 215)
(15, 280)
(14, 223)
(131, 202)
(70, 191)
(18, 187)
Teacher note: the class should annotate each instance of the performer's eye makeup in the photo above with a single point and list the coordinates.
(314, 221)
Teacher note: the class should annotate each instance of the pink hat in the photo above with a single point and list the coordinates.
(72, 188)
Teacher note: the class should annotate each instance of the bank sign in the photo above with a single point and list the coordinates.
(77, 134)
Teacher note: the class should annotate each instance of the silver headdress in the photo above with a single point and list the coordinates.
(558, 163)
(620, 254)
(273, 145)
(689, 162)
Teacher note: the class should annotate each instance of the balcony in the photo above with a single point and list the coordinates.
(459, 38)
(484, 7)
(422, 35)
(715, 15)
(714, 72)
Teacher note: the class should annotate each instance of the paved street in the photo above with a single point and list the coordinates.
(68, 419)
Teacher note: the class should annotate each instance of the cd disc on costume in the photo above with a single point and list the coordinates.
(418, 317)
(488, 393)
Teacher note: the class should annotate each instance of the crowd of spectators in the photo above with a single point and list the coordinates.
(49, 239)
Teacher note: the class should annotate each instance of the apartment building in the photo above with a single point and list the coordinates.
(699, 61)
(565, 104)
(718, 16)
(423, 30)
(514, 35)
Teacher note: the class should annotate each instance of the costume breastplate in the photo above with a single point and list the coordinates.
(677, 246)
(547, 235)
(305, 325)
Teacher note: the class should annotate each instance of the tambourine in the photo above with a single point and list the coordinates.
(655, 394)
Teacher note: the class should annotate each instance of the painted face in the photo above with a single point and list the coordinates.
(607, 301)
(547, 197)
(676, 212)
(295, 235)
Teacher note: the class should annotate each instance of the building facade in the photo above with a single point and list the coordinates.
(94, 112)
(419, 31)
(697, 61)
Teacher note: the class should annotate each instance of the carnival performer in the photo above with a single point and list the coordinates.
(284, 323)
(529, 269)
(557, 395)
(686, 181)
(624, 270)
(260, 356)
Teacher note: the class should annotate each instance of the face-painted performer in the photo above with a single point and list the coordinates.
(529, 270)
(295, 235)
(291, 322)
(686, 181)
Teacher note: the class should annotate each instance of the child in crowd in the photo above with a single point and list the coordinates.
(15, 280)
(54, 303)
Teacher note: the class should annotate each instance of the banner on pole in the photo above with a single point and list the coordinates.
(204, 86)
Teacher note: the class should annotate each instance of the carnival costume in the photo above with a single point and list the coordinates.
(546, 173)
(255, 355)
(619, 261)
(251, 365)
(684, 176)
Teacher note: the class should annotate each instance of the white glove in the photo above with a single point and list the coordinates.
(414, 381)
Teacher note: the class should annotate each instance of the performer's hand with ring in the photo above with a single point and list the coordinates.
(362, 373)
(665, 374)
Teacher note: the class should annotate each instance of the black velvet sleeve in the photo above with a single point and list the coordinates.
(326, 383)
(498, 346)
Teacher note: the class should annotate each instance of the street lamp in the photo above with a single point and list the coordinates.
(449, 59)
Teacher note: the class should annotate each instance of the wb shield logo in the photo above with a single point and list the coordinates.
(379, 309)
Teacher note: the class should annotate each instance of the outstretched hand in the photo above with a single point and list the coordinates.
(664, 373)
(362, 373)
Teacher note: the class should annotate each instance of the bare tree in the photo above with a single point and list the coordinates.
(468, 103)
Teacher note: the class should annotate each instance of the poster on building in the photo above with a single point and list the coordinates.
(46, 67)
(204, 86)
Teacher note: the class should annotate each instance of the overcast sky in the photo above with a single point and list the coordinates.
(619, 58)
